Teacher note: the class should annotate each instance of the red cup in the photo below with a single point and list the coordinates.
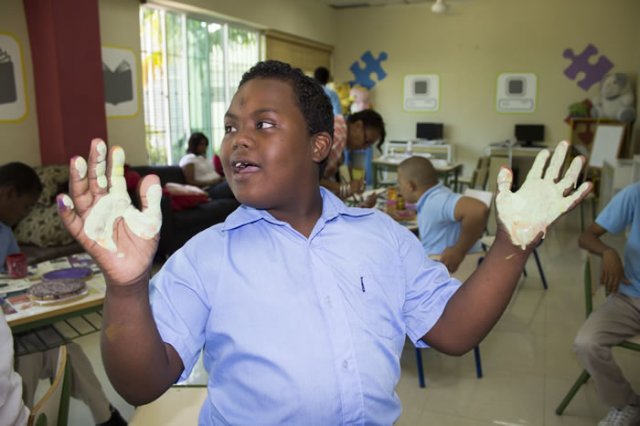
(17, 265)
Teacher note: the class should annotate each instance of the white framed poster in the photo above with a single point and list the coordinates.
(516, 92)
(120, 82)
(13, 96)
(422, 92)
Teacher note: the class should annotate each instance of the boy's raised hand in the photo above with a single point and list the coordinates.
(542, 198)
(99, 214)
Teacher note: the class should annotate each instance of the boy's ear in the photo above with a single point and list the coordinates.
(321, 146)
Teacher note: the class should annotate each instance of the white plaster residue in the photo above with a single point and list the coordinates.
(81, 167)
(99, 224)
(67, 201)
(101, 164)
(539, 201)
(102, 151)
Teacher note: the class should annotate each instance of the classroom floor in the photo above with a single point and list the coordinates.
(527, 359)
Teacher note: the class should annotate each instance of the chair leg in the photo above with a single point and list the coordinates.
(420, 370)
(572, 392)
(544, 279)
(476, 355)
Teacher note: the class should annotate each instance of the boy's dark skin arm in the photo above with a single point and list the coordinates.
(475, 308)
(139, 364)
(472, 215)
(612, 266)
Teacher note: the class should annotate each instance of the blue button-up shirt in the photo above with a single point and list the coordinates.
(8, 245)
(300, 330)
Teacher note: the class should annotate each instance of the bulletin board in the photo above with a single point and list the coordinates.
(13, 99)
(607, 142)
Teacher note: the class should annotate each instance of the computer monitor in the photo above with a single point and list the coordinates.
(429, 131)
(528, 134)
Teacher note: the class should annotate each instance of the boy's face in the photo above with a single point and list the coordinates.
(14, 207)
(268, 155)
(361, 137)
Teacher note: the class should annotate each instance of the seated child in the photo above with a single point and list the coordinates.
(299, 303)
(20, 188)
(449, 224)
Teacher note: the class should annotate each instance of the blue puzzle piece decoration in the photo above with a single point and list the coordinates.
(372, 65)
(593, 73)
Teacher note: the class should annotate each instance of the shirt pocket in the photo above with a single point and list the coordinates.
(380, 299)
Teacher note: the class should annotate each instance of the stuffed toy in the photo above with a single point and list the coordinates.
(616, 98)
(342, 89)
(360, 98)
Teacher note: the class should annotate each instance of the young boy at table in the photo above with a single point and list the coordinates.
(449, 224)
(300, 303)
(20, 188)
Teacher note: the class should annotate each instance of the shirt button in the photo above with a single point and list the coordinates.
(345, 364)
(327, 301)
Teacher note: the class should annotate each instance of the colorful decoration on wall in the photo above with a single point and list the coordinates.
(120, 82)
(592, 72)
(422, 92)
(516, 92)
(372, 66)
(13, 99)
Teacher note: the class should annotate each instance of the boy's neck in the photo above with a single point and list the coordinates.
(303, 217)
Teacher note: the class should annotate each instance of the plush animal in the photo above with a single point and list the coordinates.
(360, 98)
(616, 98)
(342, 89)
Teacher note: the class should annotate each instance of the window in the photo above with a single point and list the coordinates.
(191, 67)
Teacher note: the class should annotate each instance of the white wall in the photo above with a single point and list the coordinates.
(474, 42)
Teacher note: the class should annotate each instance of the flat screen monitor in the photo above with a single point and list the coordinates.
(429, 131)
(529, 134)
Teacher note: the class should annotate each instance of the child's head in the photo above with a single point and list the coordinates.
(366, 127)
(322, 75)
(278, 132)
(20, 188)
(198, 143)
(415, 175)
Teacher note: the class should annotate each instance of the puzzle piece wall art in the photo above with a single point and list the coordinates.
(372, 66)
(592, 72)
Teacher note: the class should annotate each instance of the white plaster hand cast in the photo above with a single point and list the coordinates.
(540, 200)
(101, 209)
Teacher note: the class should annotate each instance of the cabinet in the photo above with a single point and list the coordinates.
(584, 129)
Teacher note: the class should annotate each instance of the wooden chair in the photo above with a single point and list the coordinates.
(52, 408)
(592, 269)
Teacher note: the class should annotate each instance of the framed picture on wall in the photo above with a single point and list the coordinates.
(120, 82)
(516, 93)
(13, 98)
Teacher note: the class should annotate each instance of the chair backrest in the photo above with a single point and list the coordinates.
(47, 409)
(480, 174)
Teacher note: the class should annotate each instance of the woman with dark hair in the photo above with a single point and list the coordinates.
(199, 171)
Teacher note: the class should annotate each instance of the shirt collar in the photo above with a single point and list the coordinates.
(332, 207)
(427, 193)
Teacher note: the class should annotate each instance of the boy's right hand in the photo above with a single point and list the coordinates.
(99, 214)
(612, 271)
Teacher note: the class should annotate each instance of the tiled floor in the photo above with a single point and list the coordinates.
(527, 359)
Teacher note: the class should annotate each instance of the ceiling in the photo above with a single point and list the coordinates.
(345, 4)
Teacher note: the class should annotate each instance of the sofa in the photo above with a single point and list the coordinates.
(178, 226)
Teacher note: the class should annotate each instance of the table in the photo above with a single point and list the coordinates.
(28, 315)
(444, 169)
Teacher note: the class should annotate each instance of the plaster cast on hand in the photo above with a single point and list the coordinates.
(540, 200)
(99, 224)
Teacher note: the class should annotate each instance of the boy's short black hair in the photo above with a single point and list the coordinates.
(21, 177)
(372, 119)
(194, 141)
(322, 75)
(312, 101)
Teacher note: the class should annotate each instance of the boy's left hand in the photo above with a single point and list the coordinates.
(542, 198)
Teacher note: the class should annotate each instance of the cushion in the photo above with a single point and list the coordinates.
(54, 180)
(43, 228)
(184, 196)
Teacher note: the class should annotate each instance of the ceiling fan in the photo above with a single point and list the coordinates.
(439, 7)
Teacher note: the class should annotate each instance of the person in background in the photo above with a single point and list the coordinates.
(322, 76)
(361, 130)
(199, 171)
(449, 224)
(618, 318)
(20, 188)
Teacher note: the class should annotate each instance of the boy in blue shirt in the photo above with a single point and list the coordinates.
(449, 224)
(618, 318)
(300, 303)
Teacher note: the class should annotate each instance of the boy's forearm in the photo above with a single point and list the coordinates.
(475, 308)
(139, 364)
